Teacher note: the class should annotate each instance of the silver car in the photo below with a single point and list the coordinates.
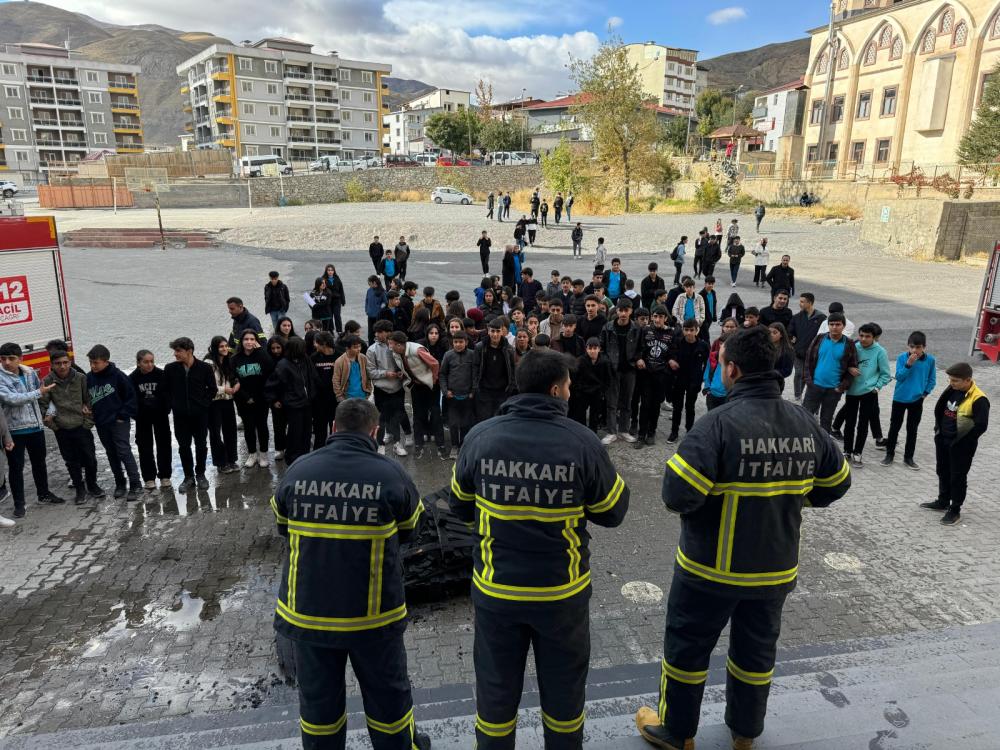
(7, 188)
(450, 195)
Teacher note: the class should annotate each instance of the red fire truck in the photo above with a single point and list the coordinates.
(986, 338)
(33, 305)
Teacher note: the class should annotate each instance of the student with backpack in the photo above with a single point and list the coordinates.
(677, 256)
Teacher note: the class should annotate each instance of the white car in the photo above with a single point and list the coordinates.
(425, 160)
(367, 162)
(450, 195)
(8, 188)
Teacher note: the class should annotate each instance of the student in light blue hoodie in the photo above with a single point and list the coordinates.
(862, 395)
(916, 376)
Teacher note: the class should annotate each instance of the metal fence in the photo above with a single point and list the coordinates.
(905, 173)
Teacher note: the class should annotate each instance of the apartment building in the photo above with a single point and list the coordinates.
(403, 130)
(668, 74)
(780, 112)
(278, 97)
(55, 108)
(899, 84)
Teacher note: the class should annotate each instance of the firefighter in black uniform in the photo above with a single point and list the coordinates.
(739, 480)
(530, 501)
(345, 509)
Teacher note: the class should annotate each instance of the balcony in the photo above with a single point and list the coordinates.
(189, 127)
(327, 140)
(225, 119)
(72, 124)
(327, 121)
(220, 75)
(67, 81)
(185, 89)
(300, 118)
(127, 128)
(41, 101)
(124, 108)
(123, 88)
(34, 78)
(289, 97)
(130, 148)
(298, 75)
(187, 109)
(327, 100)
(759, 113)
(65, 102)
(226, 142)
(222, 98)
(76, 144)
(325, 78)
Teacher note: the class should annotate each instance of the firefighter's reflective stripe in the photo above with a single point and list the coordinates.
(293, 567)
(736, 579)
(834, 480)
(689, 474)
(750, 678)
(683, 675)
(277, 513)
(394, 727)
(411, 523)
(765, 489)
(527, 512)
(341, 531)
(456, 488)
(375, 577)
(531, 593)
(727, 532)
(611, 499)
(323, 730)
(339, 624)
(495, 730)
(486, 546)
(564, 727)
(573, 548)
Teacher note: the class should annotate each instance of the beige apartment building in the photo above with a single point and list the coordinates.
(668, 74)
(900, 83)
(279, 97)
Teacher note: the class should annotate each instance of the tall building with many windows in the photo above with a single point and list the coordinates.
(668, 74)
(278, 97)
(55, 108)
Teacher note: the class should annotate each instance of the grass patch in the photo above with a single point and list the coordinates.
(821, 211)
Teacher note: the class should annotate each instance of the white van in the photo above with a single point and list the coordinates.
(253, 166)
(426, 159)
(513, 158)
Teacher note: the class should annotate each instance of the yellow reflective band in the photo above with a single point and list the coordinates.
(689, 474)
(277, 513)
(486, 546)
(527, 512)
(323, 730)
(765, 489)
(531, 593)
(411, 523)
(456, 488)
(341, 530)
(339, 624)
(682, 675)
(736, 579)
(390, 728)
(375, 577)
(573, 550)
(750, 678)
(611, 499)
(833, 481)
(564, 727)
(293, 567)
(727, 532)
(495, 730)
(662, 712)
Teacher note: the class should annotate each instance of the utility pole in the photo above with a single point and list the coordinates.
(523, 120)
(831, 68)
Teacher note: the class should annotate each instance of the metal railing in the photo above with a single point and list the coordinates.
(39, 79)
(904, 174)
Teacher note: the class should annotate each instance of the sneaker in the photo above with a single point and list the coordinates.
(609, 438)
(639, 444)
(672, 438)
(251, 461)
(649, 726)
(418, 452)
(909, 463)
(262, 461)
(857, 461)
(951, 518)
(80, 496)
(882, 445)
(165, 483)
(120, 491)
(381, 450)
(186, 485)
(936, 505)
(443, 453)
(279, 455)
(150, 484)
(51, 497)
(650, 440)
(96, 492)
(733, 284)
(453, 454)
(202, 482)
(887, 461)
(742, 743)
(6, 523)
(421, 741)
(628, 437)
(18, 512)
(399, 449)
(408, 440)
(837, 435)
(133, 493)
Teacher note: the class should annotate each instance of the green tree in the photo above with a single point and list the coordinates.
(713, 109)
(615, 109)
(564, 168)
(675, 134)
(981, 143)
(455, 131)
(500, 135)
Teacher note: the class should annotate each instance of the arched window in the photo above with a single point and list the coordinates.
(871, 3)
(885, 38)
(947, 21)
(961, 34)
(842, 8)
(995, 28)
(845, 60)
(929, 41)
(824, 62)
(897, 48)
(870, 54)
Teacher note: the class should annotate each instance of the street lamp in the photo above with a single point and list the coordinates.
(523, 121)
(736, 99)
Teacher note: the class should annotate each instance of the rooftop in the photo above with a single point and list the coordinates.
(576, 99)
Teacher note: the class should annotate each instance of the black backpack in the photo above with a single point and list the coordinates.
(673, 253)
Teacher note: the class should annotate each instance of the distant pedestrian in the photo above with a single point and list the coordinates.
(191, 386)
(532, 227)
(600, 256)
(402, 252)
(544, 212)
(535, 204)
(222, 432)
(760, 260)
(500, 205)
(733, 233)
(577, 237)
(484, 243)
(735, 251)
(506, 206)
(389, 268)
(375, 300)
(335, 288)
(557, 205)
(375, 251)
(699, 252)
(759, 214)
(277, 299)
(490, 200)
(713, 254)
(677, 256)
(830, 368)
(782, 276)
(569, 206)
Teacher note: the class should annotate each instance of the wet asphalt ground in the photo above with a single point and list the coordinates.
(116, 613)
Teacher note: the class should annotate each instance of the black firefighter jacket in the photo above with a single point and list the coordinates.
(740, 479)
(345, 509)
(530, 502)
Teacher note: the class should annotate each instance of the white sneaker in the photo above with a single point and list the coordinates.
(6, 523)
(398, 447)
(628, 437)
(407, 441)
(733, 284)
(609, 438)
(251, 461)
(279, 455)
(381, 450)
(262, 461)
(150, 485)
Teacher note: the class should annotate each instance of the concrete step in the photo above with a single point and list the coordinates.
(136, 237)
(932, 691)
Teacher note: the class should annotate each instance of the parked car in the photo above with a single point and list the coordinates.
(331, 163)
(253, 166)
(450, 195)
(367, 162)
(426, 159)
(512, 158)
(452, 161)
(8, 189)
(400, 160)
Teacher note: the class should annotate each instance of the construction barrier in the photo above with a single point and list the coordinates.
(83, 196)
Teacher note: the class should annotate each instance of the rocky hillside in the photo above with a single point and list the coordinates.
(759, 69)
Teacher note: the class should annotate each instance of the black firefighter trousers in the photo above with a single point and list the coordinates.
(380, 666)
(559, 635)
(695, 618)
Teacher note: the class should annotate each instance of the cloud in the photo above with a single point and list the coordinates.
(726, 15)
(437, 41)
(614, 22)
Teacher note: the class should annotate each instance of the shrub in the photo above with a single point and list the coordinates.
(355, 191)
(708, 194)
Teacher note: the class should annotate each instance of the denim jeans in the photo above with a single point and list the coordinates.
(115, 439)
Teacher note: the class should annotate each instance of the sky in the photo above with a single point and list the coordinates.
(514, 44)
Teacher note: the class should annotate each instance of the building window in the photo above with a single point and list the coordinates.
(816, 113)
(871, 3)
(889, 102)
(885, 38)
(832, 151)
(837, 110)
(97, 118)
(345, 136)
(9, 70)
(92, 76)
(12, 92)
(369, 117)
(248, 109)
(824, 62)
(870, 54)
(273, 110)
(897, 48)
(270, 66)
(345, 116)
(344, 74)
(864, 105)
(15, 113)
(94, 97)
(272, 88)
(345, 96)
(275, 132)
(101, 138)
(930, 39)
(947, 21)
(367, 76)
(369, 137)
(22, 156)
(882, 150)
(368, 97)
(961, 34)
(812, 153)
(858, 152)
(249, 130)
(843, 64)
(246, 63)
(246, 87)
(19, 135)
(995, 27)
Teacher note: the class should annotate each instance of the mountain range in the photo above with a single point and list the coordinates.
(158, 50)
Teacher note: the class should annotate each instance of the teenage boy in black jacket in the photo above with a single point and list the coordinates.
(493, 376)
(711, 308)
(113, 405)
(277, 299)
(152, 420)
(655, 375)
(621, 341)
(191, 387)
(687, 360)
(802, 329)
(590, 382)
